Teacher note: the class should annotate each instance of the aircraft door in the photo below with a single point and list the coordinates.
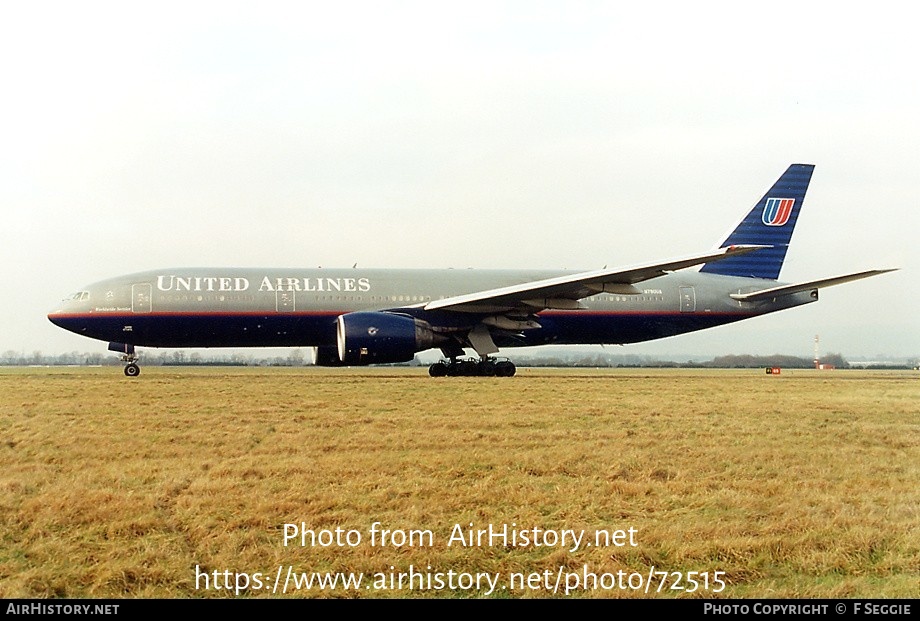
(141, 298)
(687, 299)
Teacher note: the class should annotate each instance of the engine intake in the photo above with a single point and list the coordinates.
(377, 338)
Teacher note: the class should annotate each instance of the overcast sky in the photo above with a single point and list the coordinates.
(138, 136)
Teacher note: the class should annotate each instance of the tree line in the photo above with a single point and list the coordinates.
(298, 358)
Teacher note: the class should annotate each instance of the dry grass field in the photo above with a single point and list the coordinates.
(180, 483)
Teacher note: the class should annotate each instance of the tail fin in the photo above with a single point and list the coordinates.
(769, 223)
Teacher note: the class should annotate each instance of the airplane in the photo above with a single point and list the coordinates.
(356, 316)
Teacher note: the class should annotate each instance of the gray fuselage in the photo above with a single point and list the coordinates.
(246, 307)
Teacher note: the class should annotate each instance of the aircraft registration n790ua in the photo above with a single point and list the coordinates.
(357, 316)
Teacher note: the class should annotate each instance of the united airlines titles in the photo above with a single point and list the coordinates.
(240, 283)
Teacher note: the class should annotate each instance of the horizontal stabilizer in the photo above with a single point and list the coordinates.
(775, 292)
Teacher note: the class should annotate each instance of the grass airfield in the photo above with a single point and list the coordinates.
(802, 485)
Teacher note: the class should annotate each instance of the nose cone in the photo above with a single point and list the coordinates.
(67, 312)
(61, 319)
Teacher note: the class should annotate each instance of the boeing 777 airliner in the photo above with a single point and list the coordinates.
(357, 316)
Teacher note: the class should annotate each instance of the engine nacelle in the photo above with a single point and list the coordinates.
(327, 357)
(375, 337)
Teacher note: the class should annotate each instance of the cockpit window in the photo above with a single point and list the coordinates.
(79, 296)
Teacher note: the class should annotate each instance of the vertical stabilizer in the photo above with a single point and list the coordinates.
(769, 223)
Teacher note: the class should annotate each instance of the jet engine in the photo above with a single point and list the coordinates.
(375, 337)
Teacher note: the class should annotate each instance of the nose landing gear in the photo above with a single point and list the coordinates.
(128, 356)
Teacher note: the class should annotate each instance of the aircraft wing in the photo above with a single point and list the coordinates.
(563, 292)
(774, 292)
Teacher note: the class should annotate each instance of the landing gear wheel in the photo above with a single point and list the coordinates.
(505, 368)
(132, 370)
(467, 368)
(487, 368)
(438, 369)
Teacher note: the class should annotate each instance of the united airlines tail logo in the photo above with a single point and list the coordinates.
(777, 211)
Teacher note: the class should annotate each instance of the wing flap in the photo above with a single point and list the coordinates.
(551, 292)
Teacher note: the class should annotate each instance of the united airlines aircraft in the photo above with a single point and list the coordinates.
(357, 316)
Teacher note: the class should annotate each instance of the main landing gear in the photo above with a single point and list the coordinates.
(470, 367)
